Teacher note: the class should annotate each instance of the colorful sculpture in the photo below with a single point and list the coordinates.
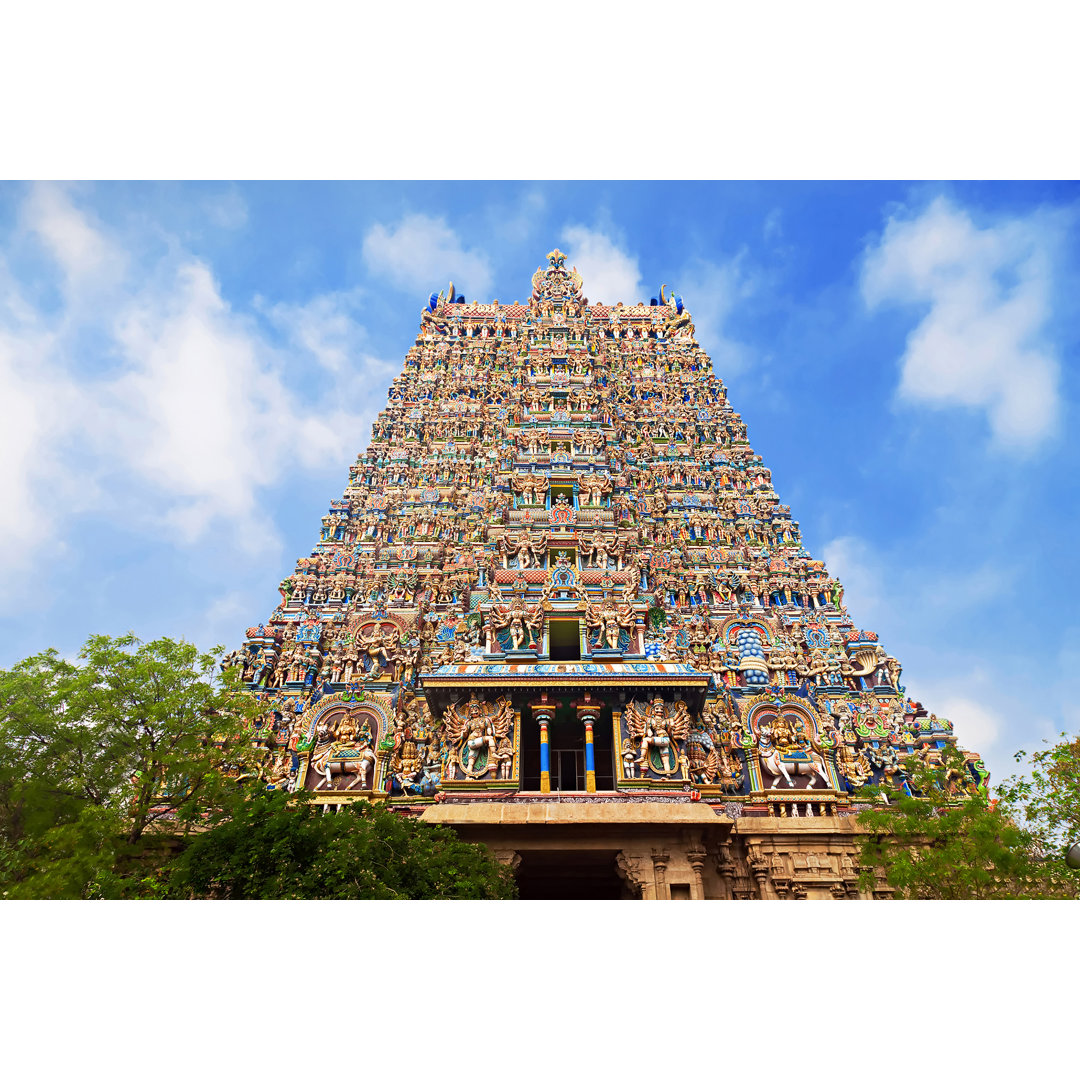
(558, 498)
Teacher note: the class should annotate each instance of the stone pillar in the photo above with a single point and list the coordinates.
(849, 876)
(729, 870)
(759, 869)
(660, 860)
(631, 868)
(696, 858)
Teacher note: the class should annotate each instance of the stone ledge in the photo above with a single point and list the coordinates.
(772, 826)
(569, 814)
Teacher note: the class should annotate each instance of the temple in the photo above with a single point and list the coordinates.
(561, 609)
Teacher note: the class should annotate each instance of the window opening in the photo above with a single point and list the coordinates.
(564, 639)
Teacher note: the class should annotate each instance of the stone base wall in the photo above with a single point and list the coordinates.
(677, 852)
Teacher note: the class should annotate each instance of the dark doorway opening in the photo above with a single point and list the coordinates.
(530, 751)
(604, 752)
(568, 770)
(566, 750)
(564, 639)
(567, 737)
(570, 875)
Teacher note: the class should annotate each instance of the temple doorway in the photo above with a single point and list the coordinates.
(570, 875)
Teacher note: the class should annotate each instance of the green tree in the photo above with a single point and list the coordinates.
(95, 753)
(277, 847)
(133, 772)
(1047, 798)
(945, 844)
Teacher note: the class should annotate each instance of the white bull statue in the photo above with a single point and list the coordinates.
(786, 765)
(344, 759)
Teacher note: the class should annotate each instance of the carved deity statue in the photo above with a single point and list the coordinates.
(474, 732)
(344, 747)
(608, 619)
(658, 730)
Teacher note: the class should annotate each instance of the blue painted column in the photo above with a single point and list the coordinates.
(588, 712)
(545, 757)
(543, 712)
(590, 758)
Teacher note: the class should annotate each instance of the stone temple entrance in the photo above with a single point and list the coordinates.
(570, 875)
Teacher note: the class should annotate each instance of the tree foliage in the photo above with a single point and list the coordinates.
(277, 848)
(133, 772)
(1047, 798)
(938, 844)
(95, 752)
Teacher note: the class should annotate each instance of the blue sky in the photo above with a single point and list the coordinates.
(187, 370)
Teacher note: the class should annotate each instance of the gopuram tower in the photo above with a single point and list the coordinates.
(561, 608)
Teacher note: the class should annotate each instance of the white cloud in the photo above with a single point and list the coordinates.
(938, 592)
(227, 209)
(422, 253)
(514, 224)
(197, 411)
(225, 613)
(609, 274)
(711, 292)
(975, 726)
(773, 228)
(325, 327)
(26, 460)
(42, 408)
(983, 342)
(984, 721)
(86, 259)
(854, 563)
(971, 698)
(149, 397)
